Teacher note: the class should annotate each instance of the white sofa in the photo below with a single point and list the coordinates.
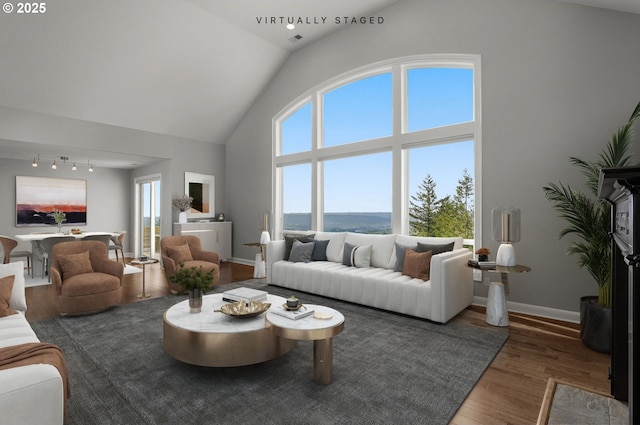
(448, 291)
(30, 394)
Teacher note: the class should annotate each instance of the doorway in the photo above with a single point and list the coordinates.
(148, 217)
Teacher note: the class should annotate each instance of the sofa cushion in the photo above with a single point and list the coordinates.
(6, 287)
(15, 329)
(180, 253)
(375, 287)
(417, 264)
(74, 264)
(336, 242)
(435, 248)
(320, 250)
(89, 284)
(382, 248)
(18, 298)
(301, 251)
(288, 242)
(357, 256)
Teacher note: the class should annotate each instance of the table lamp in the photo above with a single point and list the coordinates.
(265, 238)
(505, 228)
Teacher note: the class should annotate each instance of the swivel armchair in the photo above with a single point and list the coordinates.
(187, 250)
(83, 278)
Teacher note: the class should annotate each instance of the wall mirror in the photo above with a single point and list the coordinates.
(201, 187)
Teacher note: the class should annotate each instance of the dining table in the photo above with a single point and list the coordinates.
(37, 250)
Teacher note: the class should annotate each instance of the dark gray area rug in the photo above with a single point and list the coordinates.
(387, 368)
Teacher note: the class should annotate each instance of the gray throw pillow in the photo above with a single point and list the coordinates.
(400, 254)
(288, 242)
(435, 249)
(301, 252)
(357, 256)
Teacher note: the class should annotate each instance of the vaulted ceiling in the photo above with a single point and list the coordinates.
(183, 68)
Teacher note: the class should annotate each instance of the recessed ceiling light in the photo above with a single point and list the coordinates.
(290, 26)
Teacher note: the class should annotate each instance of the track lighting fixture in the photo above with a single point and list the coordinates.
(56, 162)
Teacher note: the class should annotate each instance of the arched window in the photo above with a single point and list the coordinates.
(390, 148)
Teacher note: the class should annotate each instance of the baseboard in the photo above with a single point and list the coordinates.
(242, 261)
(536, 310)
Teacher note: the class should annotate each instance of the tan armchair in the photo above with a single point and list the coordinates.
(188, 250)
(83, 278)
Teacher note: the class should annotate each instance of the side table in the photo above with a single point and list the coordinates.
(497, 313)
(320, 331)
(143, 263)
(259, 269)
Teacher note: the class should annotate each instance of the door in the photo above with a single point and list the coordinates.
(148, 220)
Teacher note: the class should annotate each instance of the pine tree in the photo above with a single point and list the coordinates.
(464, 198)
(446, 217)
(424, 209)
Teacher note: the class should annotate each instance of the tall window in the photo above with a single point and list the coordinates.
(365, 104)
(296, 195)
(357, 194)
(382, 149)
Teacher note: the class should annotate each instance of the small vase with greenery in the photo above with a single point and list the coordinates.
(59, 217)
(195, 281)
(588, 216)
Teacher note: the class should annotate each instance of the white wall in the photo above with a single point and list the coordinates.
(108, 192)
(557, 81)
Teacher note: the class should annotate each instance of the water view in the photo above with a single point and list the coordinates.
(342, 222)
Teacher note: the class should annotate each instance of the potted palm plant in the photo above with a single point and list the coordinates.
(589, 220)
(195, 281)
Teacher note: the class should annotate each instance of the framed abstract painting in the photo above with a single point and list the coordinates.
(201, 187)
(38, 197)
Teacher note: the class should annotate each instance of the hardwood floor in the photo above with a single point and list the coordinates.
(510, 391)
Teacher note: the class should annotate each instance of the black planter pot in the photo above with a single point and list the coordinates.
(595, 324)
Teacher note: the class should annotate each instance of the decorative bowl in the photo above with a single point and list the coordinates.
(243, 309)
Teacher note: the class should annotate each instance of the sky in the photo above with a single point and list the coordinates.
(362, 110)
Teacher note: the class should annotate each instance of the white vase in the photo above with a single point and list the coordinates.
(182, 217)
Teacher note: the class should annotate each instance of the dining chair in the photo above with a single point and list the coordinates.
(8, 246)
(118, 244)
(105, 239)
(47, 245)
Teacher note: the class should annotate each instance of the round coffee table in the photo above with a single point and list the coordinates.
(320, 331)
(214, 339)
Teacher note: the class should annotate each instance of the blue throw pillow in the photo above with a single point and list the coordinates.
(320, 250)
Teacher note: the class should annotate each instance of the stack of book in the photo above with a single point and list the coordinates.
(244, 294)
(293, 314)
(484, 265)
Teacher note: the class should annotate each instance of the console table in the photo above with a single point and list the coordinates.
(214, 235)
